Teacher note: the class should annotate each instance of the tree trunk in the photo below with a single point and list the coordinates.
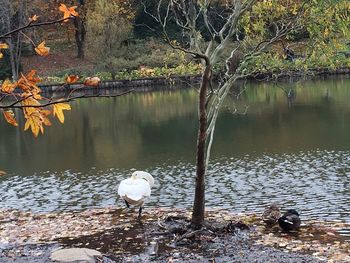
(12, 59)
(80, 33)
(199, 198)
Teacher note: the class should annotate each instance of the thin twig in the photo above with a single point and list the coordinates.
(13, 105)
(30, 24)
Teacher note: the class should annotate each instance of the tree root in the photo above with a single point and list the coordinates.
(188, 235)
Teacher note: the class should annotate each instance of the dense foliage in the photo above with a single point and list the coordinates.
(122, 37)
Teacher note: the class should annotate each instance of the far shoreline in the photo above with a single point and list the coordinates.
(173, 82)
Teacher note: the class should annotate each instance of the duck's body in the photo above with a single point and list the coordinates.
(290, 220)
(137, 189)
(271, 214)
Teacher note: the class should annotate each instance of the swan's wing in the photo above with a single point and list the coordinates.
(135, 189)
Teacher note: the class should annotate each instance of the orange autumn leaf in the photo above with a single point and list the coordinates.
(58, 110)
(42, 50)
(72, 79)
(31, 77)
(3, 46)
(67, 11)
(33, 18)
(10, 117)
(7, 86)
(28, 84)
(2, 173)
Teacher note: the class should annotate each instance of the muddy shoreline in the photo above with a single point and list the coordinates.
(121, 237)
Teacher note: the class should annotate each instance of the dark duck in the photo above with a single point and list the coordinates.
(271, 214)
(290, 220)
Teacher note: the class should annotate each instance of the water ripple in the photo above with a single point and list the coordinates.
(315, 183)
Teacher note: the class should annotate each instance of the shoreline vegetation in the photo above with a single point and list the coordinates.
(155, 63)
(161, 236)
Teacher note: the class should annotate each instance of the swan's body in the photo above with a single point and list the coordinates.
(136, 189)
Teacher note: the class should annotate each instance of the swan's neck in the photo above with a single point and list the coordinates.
(145, 176)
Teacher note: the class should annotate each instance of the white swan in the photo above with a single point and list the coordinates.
(136, 189)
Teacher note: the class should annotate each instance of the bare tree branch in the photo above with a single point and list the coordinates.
(31, 24)
(13, 105)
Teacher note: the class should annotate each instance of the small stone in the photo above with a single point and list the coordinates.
(85, 255)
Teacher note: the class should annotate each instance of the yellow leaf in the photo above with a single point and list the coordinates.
(7, 86)
(35, 123)
(10, 117)
(2, 173)
(42, 50)
(68, 11)
(58, 110)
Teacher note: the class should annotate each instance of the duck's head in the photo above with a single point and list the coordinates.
(143, 175)
(273, 207)
(292, 212)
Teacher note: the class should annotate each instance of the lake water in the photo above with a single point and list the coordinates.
(296, 154)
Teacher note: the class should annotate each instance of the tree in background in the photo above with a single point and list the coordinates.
(248, 29)
(80, 28)
(110, 29)
(13, 15)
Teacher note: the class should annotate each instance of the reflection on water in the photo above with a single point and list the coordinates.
(295, 153)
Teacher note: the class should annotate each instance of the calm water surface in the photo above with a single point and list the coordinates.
(296, 154)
